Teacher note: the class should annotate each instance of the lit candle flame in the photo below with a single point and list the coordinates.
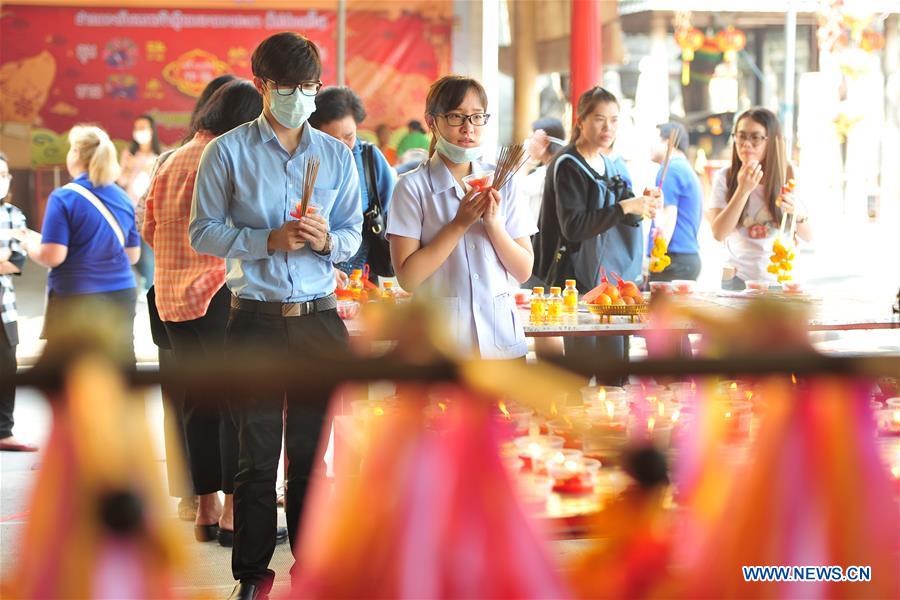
(793, 379)
(675, 415)
(733, 386)
(651, 423)
(553, 410)
(378, 411)
(749, 395)
(601, 395)
(661, 408)
(651, 399)
(442, 406)
(502, 406)
(610, 409)
(693, 387)
(728, 414)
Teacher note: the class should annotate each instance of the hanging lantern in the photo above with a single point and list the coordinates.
(731, 41)
(689, 39)
(872, 41)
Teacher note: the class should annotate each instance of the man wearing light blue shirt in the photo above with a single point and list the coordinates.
(280, 274)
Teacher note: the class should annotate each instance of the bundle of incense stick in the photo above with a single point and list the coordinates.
(511, 160)
(309, 182)
(780, 176)
(670, 146)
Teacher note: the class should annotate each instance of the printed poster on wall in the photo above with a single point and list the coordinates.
(62, 66)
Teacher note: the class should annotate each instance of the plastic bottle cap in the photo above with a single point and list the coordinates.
(538, 290)
(555, 290)
(388, 285)
(570, 283)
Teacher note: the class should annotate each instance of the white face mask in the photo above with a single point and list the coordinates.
(142, 136)
(457, 154)
(291, 111)
(4, 188)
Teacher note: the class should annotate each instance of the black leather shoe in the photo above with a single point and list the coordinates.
(226, 536)
(281, 535)
(250, 590)
(205, 533)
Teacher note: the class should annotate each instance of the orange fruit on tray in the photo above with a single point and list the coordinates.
(630, 289)
(619, 302)
(628, 300)
(612, 291)
(603, 300)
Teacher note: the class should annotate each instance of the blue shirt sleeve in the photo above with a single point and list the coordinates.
(132, 236)
(346, 219)
(384, 178)
(209, 230)
(55, 229)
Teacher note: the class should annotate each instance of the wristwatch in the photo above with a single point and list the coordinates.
(326, 249)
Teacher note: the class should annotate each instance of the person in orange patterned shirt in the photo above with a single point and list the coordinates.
(194, 304)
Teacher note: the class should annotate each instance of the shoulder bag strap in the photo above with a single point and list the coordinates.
(90, 197)
(368, 158)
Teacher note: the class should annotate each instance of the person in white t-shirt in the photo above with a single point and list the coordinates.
(747, 199)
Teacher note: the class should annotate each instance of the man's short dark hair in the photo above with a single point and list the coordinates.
(286, 58)
(666, 129)
(335, 103)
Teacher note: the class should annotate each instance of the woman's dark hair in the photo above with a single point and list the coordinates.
(447, 93)
(775, 171)
(286, 58)
(587, 102)
(334, 103)
(416, 125)
(233, 104)
(154, 142)
(208, 91)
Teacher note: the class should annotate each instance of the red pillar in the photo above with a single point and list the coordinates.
(585, 50)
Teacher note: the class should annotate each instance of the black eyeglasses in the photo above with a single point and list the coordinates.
(457, 119)
(307, 88)
(754, 139)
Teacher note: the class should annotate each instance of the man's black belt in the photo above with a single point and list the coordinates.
(285, 309)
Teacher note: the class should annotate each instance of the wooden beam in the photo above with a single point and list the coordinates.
(526, 69)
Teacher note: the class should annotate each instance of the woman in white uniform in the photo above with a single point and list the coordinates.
(461, 247)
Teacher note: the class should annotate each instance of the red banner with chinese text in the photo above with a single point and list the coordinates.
(63, 65)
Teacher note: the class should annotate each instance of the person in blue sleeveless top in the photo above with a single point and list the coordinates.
(590, 218)
(683, 210)
(89, 239)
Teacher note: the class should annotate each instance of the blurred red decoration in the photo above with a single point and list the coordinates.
(872, 41)
(731, 41)
(689, 39)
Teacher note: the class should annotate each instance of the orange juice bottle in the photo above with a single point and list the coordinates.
(538, 305)
(388, 292)
(554, 305)
(570, 297)
(355, 285)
